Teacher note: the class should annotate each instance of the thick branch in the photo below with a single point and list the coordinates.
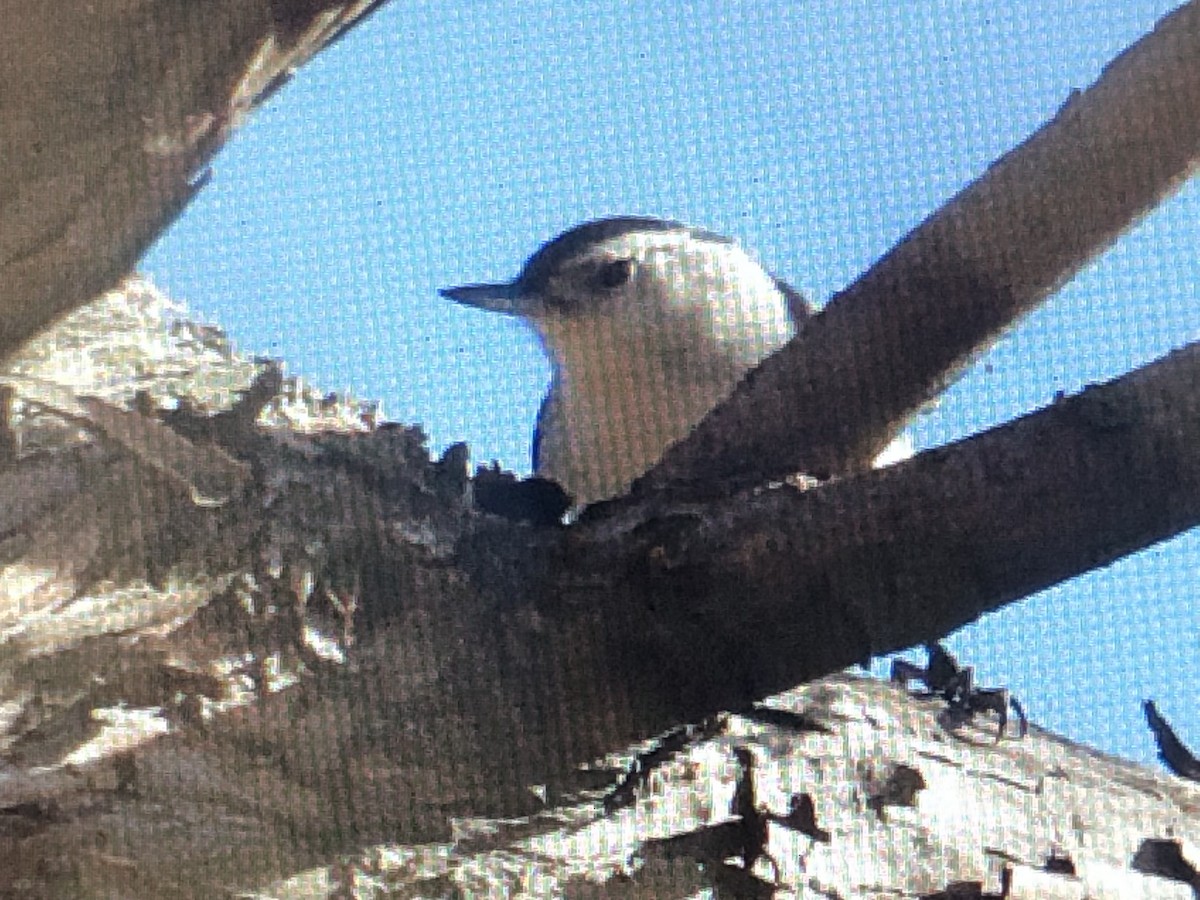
(480, 657)
(111, 109)
(777, 588)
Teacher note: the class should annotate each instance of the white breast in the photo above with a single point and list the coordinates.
(629, 386)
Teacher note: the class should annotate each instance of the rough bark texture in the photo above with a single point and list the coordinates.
(110, 112)
(347, 654)
(199, 697)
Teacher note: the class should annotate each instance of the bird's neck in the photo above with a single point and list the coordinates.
(617, 405)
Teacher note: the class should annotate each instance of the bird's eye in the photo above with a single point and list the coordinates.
(614, 274)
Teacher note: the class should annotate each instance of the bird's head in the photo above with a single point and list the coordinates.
(649, 324)
(654, 288)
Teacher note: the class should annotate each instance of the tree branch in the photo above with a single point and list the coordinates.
(831, 400)
(782, 586)
(458, 659)
(111, 111)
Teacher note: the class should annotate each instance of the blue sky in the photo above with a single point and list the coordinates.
(442, 143)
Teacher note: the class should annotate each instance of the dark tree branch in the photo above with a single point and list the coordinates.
(782, 586)
(475, 658)
(111, 112)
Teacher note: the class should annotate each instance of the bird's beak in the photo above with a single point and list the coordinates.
(502, 298)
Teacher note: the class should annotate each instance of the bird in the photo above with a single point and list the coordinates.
(648, 324)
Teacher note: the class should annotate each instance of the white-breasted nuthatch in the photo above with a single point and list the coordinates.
(649, 324)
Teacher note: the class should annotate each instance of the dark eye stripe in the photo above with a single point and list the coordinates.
(614, 274)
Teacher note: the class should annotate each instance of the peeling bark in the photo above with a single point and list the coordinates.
(350, 654)
(347, 653)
